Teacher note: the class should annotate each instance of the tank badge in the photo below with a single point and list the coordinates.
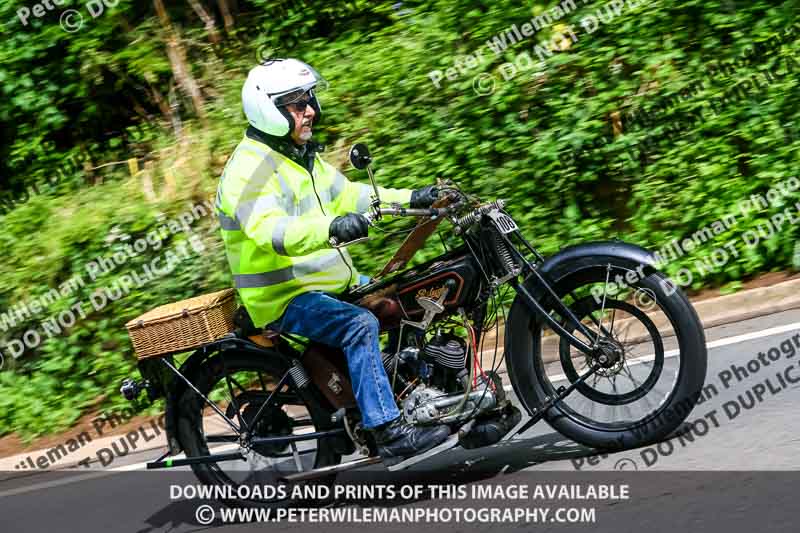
(433, 293)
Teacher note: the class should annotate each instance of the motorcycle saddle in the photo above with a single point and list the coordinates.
(262, 336)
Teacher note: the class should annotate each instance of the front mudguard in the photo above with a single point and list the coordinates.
(555, 269)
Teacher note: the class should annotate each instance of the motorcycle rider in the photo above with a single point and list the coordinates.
(278, 204)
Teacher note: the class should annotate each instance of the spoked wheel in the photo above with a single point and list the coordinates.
(650, 363)
(240, 385)
(617, 384)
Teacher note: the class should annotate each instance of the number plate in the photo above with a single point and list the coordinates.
(503, 222)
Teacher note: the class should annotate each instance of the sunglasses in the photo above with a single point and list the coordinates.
(300, 98)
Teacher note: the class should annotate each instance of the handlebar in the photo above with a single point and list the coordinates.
(376, 214)
(433, 212)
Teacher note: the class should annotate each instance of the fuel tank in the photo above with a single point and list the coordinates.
(393, 299)
(430, 279)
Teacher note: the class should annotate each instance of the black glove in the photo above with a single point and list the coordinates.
(424, 197)
(349, 227)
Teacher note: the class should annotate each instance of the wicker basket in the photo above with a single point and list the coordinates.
(184, 325)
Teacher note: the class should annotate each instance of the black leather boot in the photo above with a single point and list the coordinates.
(396, 439)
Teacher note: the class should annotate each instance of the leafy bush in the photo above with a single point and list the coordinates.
(647, 185)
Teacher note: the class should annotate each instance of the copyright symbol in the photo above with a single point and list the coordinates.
(204, 515)
(71, 20)
(625, 464)
(645, 299)
(484, 84)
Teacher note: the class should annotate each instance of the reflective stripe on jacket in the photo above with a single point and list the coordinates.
(276, 232)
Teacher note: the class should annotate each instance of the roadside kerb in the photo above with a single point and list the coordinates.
(713, 312)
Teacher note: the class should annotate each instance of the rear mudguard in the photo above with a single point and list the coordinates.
(173, 387)
(176, 387)
(556, 268)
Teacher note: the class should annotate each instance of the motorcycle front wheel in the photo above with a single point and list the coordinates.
(653, 386)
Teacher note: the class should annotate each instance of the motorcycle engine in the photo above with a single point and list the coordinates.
(441, 363)
(444, 378)
(447, 354)
(430, 405)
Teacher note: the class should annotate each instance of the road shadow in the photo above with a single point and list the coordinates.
(177, 516)
(456, 466)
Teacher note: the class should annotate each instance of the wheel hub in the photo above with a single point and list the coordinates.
(274, 422)
(610, 355)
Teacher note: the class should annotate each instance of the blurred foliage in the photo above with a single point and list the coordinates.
(76, 106)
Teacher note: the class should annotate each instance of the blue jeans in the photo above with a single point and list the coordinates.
(322, 318)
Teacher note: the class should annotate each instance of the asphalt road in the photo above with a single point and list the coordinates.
(764, 437)
(749, 423)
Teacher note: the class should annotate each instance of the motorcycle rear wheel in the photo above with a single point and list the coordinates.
(253, 378)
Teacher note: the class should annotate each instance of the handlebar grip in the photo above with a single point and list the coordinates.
(334, 242)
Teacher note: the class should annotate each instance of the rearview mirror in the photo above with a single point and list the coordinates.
(359, 156)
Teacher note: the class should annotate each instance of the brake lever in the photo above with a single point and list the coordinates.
(334, 242)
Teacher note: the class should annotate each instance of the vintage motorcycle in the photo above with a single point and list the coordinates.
(585, 347)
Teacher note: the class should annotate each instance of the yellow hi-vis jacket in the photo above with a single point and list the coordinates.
(276, 230)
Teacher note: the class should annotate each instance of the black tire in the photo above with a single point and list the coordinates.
(675, 407)
(190, 424)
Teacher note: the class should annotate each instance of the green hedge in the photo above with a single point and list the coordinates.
(561, 144)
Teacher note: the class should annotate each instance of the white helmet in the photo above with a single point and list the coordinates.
(271, 86)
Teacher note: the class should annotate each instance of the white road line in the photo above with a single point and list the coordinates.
(92, 474)
(714, 344)
(728, 341)
(672, 353)
(142, 466)
(56, 483)
(755, 335)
